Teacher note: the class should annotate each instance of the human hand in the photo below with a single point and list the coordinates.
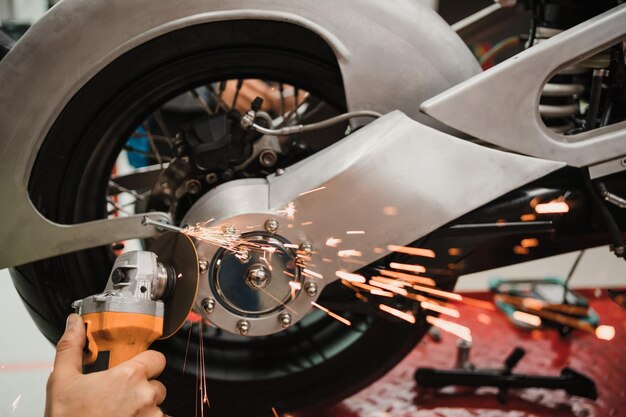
(126, 390)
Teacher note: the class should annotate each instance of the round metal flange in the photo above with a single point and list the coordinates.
(259, 294)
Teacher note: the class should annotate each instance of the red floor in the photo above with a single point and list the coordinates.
(494, 338)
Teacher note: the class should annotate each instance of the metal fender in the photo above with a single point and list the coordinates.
(392, 55)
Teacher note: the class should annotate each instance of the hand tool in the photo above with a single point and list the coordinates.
(574, 383)
(147, 297)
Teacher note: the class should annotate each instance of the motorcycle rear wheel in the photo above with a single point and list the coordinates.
(316, 362)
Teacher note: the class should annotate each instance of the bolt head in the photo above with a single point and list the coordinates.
(267, 158)
(310, 288)
(285, 320)
(229, 230)
(280, 172)
(623, 162)
(271, 225)
(203, 265)
(211, 178)
(258, 277)
(193, 186)
(243, 326)
(208, 305)
(243, 256)
(306, 248)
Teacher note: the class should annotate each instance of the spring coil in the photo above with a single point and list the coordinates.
(559, 105)
(559, 98)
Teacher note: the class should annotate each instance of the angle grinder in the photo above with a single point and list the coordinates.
(147, 297)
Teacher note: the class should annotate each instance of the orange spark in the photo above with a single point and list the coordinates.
(313, 190)
(439, 293)
(605, 332)
(520, 250)
(528, 217)
(427, 253)
(379, 250)
(355, 232)
(327, 260)
(440, 309)
(382, 293)
(530, 243)
(390, 211)
(364, 286)
(399, 314)
(289, 211)
(409, 278)
(295, 285)
(450, 327)
(331, 314)
(306, 223)
(527, 318)
(313, 274)
(454, 251)
(553, 207)
(275, 413)
(390, 281)
(291, 246)
(406, 267)
(350, 277)
(333, 242)
(349, 252)
(484, 318)
(388, 287)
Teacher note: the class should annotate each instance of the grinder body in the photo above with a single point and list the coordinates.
(127, 317)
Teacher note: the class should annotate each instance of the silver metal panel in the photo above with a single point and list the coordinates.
(395, 180)
(30, 237)
(391, 57)
(501, 105)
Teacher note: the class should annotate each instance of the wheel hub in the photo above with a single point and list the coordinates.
(261, 283)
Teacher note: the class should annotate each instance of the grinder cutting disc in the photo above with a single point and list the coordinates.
(178, 251)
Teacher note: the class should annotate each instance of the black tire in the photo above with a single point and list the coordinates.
(311, 363)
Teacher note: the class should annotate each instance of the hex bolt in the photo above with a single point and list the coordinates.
(267, 158)
(244, 256)
(193, 186)
(211, 178)
(306, 248)
(208, 305)
(623, 162)
(203, 265)
(311, 289)
(285, 320)
(271, 225)
(229, 230)
(280, 172)
(243, 326)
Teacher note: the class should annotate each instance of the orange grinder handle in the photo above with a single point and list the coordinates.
(113, 338)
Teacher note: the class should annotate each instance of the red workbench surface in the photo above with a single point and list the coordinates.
(395, 395)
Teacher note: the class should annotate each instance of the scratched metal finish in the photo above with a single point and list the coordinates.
(395, 395)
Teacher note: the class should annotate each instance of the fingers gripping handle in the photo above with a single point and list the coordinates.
(114, 337)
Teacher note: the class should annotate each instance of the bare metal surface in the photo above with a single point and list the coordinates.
(344, 191)
(32, 237)
(410, 54)
(500, 105)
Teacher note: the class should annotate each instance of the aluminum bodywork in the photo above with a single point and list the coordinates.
(391, 57)
(387, 184)
(501, 105)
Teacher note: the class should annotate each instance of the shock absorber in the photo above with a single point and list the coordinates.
(560, 104)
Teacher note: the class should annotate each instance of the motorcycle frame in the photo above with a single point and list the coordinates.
(32, 76)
